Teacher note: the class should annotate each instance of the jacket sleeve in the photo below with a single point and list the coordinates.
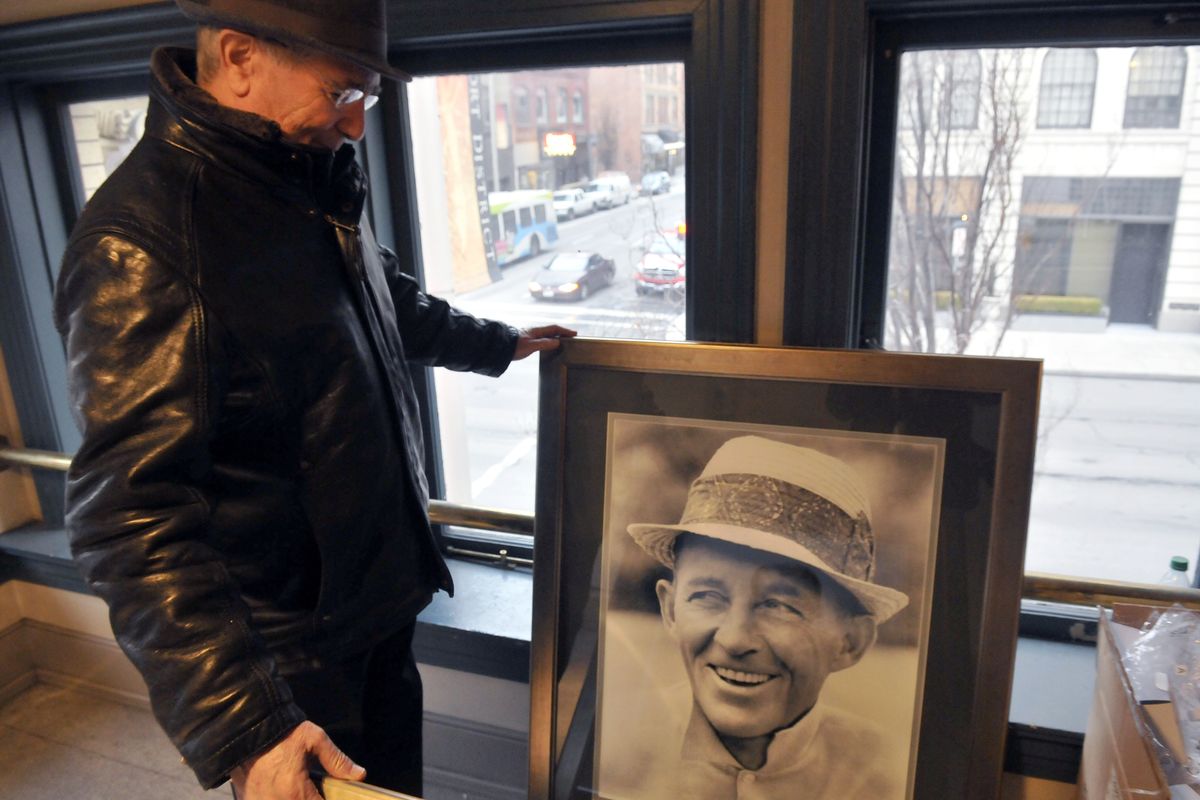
(436, 334)
(143, 388)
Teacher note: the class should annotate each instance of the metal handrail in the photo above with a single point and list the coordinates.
(1035, 585)
(441, 512)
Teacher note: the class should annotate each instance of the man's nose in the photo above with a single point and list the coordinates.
(353, 121)
(737, 633)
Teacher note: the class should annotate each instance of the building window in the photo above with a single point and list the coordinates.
(542, 111)
(577, 103)
(650, 109)
(561, 111)
(521, 100)
(941, 90)
(1155, 95)
(1067, 88)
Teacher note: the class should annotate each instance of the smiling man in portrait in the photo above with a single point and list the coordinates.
(771, 591)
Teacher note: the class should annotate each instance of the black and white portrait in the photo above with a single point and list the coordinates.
(765, 599)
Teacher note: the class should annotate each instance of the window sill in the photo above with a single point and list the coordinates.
(484, 629)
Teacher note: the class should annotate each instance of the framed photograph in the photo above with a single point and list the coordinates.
(797, 569)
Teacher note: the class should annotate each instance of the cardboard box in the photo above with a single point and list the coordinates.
(1119, 760)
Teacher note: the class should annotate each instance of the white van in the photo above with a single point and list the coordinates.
(610, 189)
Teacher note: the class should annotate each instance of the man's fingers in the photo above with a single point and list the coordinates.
(335, 762)
(550, 331)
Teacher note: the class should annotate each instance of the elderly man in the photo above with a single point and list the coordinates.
(771, 593)
(250, 497)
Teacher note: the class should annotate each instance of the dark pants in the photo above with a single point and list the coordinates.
(370, 705)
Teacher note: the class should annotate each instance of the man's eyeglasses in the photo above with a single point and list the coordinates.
(348, 97)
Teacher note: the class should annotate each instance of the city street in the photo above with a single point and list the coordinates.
(616, 311)
(1117, 486)
(1117, 483)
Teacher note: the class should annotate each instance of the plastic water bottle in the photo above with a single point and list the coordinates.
(1177, 574)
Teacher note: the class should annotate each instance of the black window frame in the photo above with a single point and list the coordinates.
(844, 99)
(716, 40)
(107, 54)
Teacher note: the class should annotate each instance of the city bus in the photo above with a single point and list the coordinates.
(523, 223)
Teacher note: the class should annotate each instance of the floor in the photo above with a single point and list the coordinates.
(61, 744)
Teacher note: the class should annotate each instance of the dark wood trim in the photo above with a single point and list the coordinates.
(722, 167)
(91, 45)
(824, 174)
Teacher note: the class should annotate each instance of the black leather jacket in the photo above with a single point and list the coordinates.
(249, 497)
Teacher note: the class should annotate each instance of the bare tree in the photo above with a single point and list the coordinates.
(962, 127)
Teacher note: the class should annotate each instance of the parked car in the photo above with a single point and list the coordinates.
(656, 182)
(572, 276)
(662, 267)
(572, 203)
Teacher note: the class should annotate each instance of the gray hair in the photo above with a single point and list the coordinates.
(208, 58)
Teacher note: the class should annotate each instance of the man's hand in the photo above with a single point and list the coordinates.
(281, 773)
(534, 340)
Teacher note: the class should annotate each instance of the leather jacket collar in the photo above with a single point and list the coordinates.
(186, 116)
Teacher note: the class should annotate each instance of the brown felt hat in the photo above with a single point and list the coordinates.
(355, 30)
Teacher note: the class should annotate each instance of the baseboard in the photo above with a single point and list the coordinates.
(443, 785)
(16, 664)
(19, 684)
(467, 759)
(83, 661)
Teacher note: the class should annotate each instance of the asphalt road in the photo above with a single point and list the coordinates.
(1117, 481)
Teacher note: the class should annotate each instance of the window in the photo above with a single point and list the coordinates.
(1005, 243)
(521, 99)
(561, 116)
(577, 107)
(514, 255)
(104, 131)
(1068, 84)
(541, 107)
(941, 90)
(1155, 94)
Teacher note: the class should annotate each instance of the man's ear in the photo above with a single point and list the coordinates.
(665, 590)
(240, 56)
(858, 634)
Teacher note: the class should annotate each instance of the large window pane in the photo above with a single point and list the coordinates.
(104, 131)
(1076, 248)
(573, 217)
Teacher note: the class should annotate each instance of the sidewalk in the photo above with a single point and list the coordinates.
(1119, 351)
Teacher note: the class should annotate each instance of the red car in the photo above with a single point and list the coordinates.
(662, 269)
